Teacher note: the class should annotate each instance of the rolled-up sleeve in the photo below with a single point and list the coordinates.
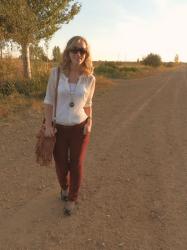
(50, 91)
(90, 94)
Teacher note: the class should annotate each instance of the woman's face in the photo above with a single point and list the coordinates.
(78, 52)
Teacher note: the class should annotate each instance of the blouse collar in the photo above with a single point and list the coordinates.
(80, 77)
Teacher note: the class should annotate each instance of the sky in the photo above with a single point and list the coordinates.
(123, 30)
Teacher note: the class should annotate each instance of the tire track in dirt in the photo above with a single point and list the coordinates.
(154, 145)
(118, 151)
(157, 209)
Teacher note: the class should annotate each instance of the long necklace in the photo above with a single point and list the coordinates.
(72, 104)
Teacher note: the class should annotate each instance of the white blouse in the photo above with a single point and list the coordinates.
(81, 97)
(72, 87)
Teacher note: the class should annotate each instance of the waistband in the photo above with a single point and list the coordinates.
(71, 126)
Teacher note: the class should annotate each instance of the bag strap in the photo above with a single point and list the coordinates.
(56, 94)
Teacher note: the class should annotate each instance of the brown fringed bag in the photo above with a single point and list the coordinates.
(45, 145)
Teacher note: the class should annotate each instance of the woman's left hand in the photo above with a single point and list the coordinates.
(87, 128)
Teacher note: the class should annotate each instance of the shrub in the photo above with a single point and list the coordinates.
(6, 88)
(129, 69)
(32, 87)
(114, 70)
(107, 69)
(169, 64)
(23, 88)
(153, 60)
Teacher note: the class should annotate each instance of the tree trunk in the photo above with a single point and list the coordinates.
(2, 44)
(26, 61)
(1, 53)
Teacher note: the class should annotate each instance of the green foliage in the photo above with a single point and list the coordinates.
(22, 88)
(169, 64)
(28, 21)
(107, 69)
(34, 87)
(37, 53)
(36, 19)
(6, 88)
(129, 69)
(114, 70)
(56, 54)
(153, 60)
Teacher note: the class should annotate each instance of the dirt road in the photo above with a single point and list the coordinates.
(133, 195)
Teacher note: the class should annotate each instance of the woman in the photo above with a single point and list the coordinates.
(73, 116)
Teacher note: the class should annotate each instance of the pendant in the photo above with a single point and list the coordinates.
(71, 104)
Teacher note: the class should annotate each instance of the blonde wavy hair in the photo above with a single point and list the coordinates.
(87, 66)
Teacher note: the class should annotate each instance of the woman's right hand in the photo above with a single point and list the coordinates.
(49, 131)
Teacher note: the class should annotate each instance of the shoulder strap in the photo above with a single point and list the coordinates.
(56, 93)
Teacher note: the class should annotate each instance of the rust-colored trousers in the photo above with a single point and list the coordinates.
(69, 154)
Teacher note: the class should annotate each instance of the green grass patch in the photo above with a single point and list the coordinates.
(114, 70)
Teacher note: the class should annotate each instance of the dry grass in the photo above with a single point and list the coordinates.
(12, 69)
(148, 71)
(15, 104)
(102, 81)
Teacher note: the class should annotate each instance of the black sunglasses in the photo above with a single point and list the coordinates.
(75, 50)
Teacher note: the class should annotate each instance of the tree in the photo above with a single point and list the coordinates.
(176, 59)
(27, 22)
(2, 46)
(37, 53)
(56, 54)
(2, 42)
(153, 60)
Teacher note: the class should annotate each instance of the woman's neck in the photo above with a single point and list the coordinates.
(75, 69)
